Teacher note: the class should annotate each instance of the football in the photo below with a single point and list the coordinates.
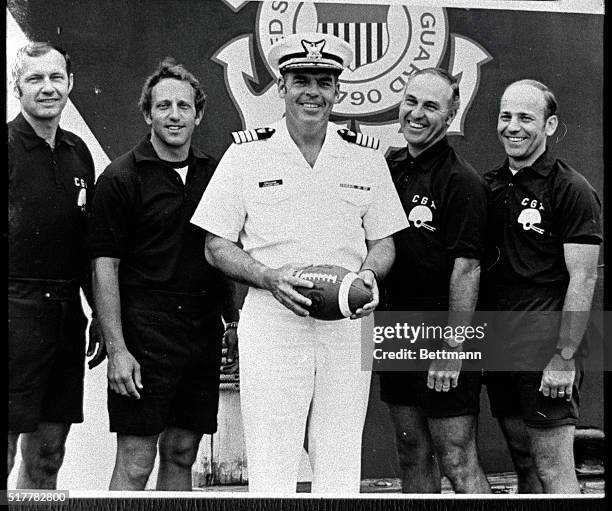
(337, 292)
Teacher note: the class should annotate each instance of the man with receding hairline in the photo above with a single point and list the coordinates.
(434, 405)
(545, 224)
(51, 179)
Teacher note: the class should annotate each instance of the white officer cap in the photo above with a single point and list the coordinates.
(310, 50)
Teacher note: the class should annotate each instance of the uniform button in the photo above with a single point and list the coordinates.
(47, 295)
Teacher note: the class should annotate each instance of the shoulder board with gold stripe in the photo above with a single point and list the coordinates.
(359, 138)
(243, 136)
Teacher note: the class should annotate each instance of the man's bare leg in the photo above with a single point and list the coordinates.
(454, 439)
(11, 450)
(42, 454)
(517, 438)
(552, 450)
(418, 464)
(178, 449)
(134, 462)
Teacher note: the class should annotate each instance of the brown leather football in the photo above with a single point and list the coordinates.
(337, 292)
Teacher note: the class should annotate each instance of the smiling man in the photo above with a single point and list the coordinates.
(546, 227)
(51, 178)
(157, 298)
(434, 405)
(297, 193)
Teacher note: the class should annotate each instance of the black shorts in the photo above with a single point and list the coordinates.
(409, 388)
(516, 394)
(526, 330)
(46, 336)
(176, 339)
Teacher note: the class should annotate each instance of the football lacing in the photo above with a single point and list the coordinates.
(328, 277)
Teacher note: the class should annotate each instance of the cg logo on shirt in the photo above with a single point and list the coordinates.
(82, 197)
(390, 42)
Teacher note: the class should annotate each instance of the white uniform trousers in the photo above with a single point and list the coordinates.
(289, 366)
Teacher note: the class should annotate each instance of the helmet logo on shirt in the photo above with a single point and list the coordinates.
(529, 218)
(419, 216)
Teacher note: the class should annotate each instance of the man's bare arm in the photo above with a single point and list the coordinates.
(378, 262)
(380, 257)
(123, 369)
(462, 297)
(581, 262)
(463, 291)
(232, 260)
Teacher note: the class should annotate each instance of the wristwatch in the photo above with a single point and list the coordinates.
(231, 324)
(566, 353)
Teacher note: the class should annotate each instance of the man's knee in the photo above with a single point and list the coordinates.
(136, 456)
(552, 452)
(180, 455)
(455, 443)
(46, 460)
(412, 450)
(44, 450)
(552, 471)
(180, 450)
(412, 436)
(457, 459)
(522, 459)
(553, 464)
(138, 467)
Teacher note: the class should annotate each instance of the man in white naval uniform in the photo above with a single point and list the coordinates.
(301, 192)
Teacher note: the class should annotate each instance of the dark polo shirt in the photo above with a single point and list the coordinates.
(446, 203)
(535, 212)
(141, 214)
(49, 194)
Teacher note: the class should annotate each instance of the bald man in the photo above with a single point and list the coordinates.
(545, 223)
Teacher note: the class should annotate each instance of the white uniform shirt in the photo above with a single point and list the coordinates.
(282, 210)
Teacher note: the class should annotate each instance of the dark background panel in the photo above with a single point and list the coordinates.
(115, 44)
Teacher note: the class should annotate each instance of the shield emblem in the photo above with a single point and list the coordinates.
(364, 27)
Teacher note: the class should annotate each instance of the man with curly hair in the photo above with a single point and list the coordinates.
(158, 300)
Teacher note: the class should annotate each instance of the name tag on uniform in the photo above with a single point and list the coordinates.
(355, 187)
(272, 182)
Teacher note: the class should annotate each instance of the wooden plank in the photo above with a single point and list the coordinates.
(222, 457)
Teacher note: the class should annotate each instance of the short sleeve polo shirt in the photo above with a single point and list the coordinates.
(535, 212)
(265, 195)
(446, 203)
(50, 192)
(141, 213)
